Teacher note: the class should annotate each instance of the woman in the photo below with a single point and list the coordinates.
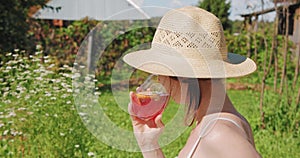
(190, 57)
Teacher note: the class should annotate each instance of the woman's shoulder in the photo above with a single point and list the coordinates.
(223, 129)
(226, 137)
(221, 125)
(224, 141)
(220, 135)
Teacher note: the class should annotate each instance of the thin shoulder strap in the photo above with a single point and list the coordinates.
(204, 130)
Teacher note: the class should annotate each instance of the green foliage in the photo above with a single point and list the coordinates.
(38, 117)
(281, 115)
(13, 24)
(64, 43)
(237, 43)
(220, 8)
(122, 43)
(236, 26)
(282, 129)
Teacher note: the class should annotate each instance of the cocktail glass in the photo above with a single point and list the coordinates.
(149, 100)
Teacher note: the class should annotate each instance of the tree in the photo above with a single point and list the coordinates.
(220, 8)
(13, 24)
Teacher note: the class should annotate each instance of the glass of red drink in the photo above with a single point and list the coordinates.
(150, 99)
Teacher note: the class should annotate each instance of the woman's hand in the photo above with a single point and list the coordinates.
(146, 132)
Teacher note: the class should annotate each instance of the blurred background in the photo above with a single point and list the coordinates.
(40, 40)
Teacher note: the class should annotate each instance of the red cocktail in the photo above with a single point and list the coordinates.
(147, 105)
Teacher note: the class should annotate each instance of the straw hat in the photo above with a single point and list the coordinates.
(189, 42)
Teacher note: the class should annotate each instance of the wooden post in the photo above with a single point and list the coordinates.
(283, 72)
(254, 37)
(297, 100)
(275, 45)
(249, 43)
(248, 25)
(296, 39)
(263, 83)
(296, 75)
(90, 50)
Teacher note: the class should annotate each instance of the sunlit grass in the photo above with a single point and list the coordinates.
(38, 117)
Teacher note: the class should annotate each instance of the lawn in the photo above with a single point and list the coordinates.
(38, 116)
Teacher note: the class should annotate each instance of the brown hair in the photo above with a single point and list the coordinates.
(192, 100)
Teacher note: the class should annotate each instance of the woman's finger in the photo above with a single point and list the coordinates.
(130, 96)
(158, 121)
(135, 120)
(138, 89)
(129, 108)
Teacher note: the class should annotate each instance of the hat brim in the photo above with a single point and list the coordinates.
(157, 62)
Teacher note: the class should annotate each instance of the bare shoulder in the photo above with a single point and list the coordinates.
(227, 140)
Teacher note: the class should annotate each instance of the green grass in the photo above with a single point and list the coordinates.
(38, 117)
(280, 138)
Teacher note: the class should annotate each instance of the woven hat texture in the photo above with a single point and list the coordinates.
(190, 42)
